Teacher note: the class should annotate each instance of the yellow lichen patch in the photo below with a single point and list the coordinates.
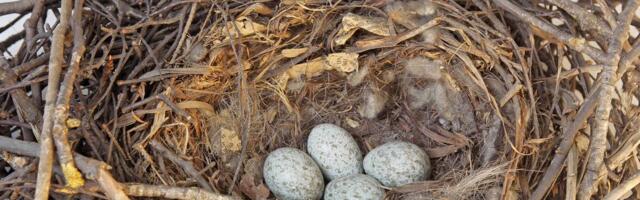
(72, 175)
(230, 140)
(73, 123)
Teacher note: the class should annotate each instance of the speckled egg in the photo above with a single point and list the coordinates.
(292, 174)
(356, 187)
(397, 163)
(335, 151)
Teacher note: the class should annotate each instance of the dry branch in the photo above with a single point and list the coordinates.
(55, 67)
(185, 165)
(144, 190)
(587, 20)
(94, 169)
(598, 143)
(576, 43)
(623, 188)
(18, 6)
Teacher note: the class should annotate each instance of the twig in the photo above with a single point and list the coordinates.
(628, 146)
(22, 84)
(32, 22)
(32, 64)
(587, 20)
(93, 169)
(578, 44)
(186, 165)
(60, 131)
(568, 136)
(623, 188)
(572, 174)
(628, 58)
(144, 190)
(55, 67)
(164, 99)
(25, 107)
(598, 143)
(183, 36)
(243, 96)
(17, 6)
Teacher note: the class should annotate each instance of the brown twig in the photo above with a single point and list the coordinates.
(587, 20)
(144, 190)
(183, 36)
(186, 165)
(623, 188)
(568, 136)
(576, 43)
(17, 6)
(93, 169)
(572, 174)
(32, 22)
(55, 67)
(60, 131)
(598, 143)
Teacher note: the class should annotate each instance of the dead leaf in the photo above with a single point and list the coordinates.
(259, 8)
(582, 142)
(252, 190)
(230, 140)
(342, 62)
(309, 69)
(245, 26)
(352, 22)
(443, 151)
(292, 53)
(352, 123)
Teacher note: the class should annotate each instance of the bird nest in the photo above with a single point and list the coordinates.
(185, 99)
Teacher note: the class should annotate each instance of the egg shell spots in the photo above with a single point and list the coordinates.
(292, 174)
(357, 186)
(335, 151)
(397, 163)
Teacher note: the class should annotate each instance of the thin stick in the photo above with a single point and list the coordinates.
(568, 136)
(60, 131)
(578, 44)
(598, 143)
(144, 190)
(623, 188)
(94, 169)
(628, 146)
(17, 6)
(32, 22)
(55, 67)
(186, 165)
(183, 36)
(628, 58)
(572, 174)
(586, 19)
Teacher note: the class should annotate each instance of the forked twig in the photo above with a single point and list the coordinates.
(45, 165)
